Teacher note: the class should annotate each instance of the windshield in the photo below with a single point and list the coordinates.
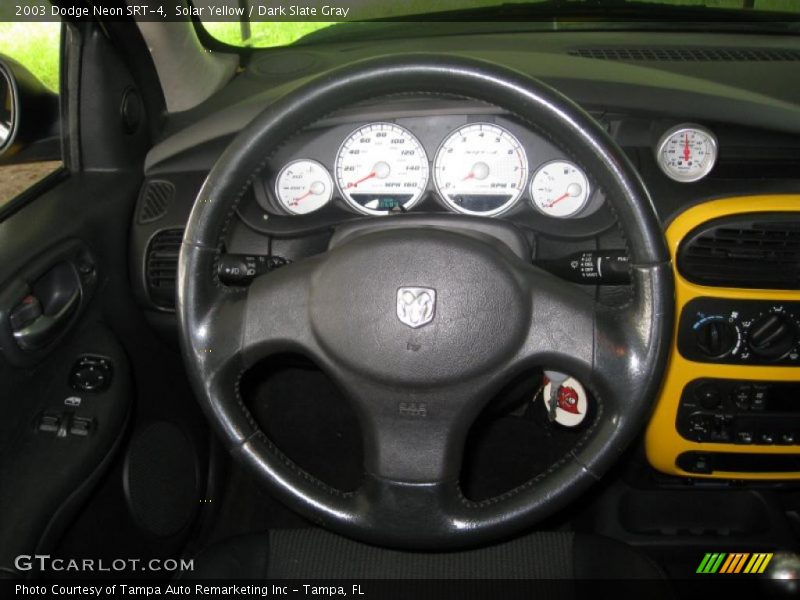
(267, 23)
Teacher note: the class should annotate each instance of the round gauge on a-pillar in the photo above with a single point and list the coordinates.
(687, 152)
(303, 186)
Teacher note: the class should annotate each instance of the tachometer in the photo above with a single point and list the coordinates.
(687, 152)
(559, 189)
(303, 186)
(481, 169)
(381, 167)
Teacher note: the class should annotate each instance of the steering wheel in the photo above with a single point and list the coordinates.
(487, 316)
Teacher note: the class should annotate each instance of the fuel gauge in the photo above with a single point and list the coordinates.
(559, 189)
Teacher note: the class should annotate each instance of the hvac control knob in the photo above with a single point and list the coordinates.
(772, 336)
(716, 338)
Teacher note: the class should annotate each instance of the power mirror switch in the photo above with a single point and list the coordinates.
(91, 374)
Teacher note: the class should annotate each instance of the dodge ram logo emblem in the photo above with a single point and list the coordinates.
(416, 305)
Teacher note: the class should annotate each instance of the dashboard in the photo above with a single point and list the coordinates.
(717, 143)
(478, 164)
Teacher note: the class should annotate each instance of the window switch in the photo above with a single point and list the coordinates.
(49, 423)
(81, 426)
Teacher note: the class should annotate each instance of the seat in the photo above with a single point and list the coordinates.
(305, 554)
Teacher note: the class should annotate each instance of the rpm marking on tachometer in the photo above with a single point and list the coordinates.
(559, 189)
(381, 167)
(303, 186)
(481, 169)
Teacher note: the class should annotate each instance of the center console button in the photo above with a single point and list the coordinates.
(743, 397)
(759, 399)
(698, 426)
(744, 431)
(709, 396)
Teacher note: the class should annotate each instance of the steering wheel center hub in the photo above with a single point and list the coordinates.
(418, 306)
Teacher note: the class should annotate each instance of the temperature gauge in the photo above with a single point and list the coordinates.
(687, 152)
(303, 186)
(559, 189)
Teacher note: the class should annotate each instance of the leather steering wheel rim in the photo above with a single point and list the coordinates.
(618, 352)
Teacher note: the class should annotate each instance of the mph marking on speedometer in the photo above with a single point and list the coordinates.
(380, 167)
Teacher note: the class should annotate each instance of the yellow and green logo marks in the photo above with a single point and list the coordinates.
(734, 562)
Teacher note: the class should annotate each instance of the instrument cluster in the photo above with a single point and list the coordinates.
(475, 166)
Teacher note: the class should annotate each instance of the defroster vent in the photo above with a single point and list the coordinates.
(687, 54)
(747, 251)
(161, 268)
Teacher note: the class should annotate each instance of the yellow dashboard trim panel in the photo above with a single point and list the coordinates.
(663, 443)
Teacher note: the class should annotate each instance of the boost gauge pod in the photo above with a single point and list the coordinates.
(687, 152)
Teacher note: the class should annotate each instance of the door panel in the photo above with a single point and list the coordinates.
(59, 437)
(61, 427)
(82, 375)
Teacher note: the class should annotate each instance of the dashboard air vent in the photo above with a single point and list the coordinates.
(747, 251)
(155, 199)
(683, 54)
(161, 267)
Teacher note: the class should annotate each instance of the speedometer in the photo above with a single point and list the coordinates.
(381, 167)
(481, 169)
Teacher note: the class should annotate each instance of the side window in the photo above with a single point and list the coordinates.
(30, 139)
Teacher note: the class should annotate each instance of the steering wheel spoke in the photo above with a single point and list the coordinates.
(629, 364)
(413, 435)
(560, 333)
(389, 506)
(275, 315)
